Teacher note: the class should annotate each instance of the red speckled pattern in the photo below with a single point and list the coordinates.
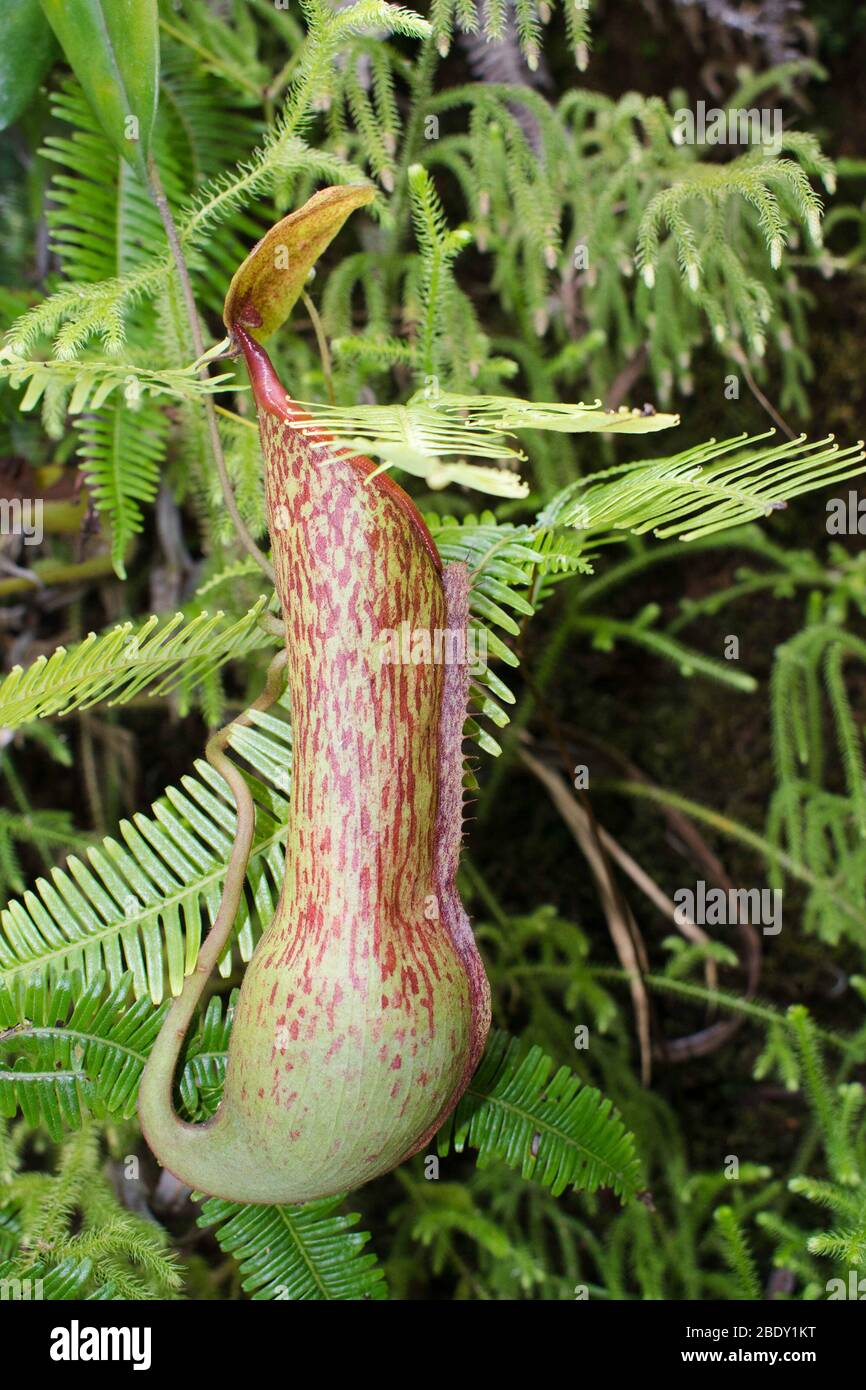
(365, 1007)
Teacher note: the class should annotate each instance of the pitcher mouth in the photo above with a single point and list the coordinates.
(272, 398)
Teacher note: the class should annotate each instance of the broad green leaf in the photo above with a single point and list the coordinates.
(28, 46)
(112, 47)
(267, 285)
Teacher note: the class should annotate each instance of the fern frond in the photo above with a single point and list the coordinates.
(289, 1253)
(501, 559)
(122, 452)
(74, 1046)
(695, 494)
(509, 413)
(77, 312)
(66, 1282)
(48, 830)
(103, 221)
(203, 1075)
(138, 903)
(72, 1050)
(201, 113)
(437, 425)
(121, 663)
(219, 51)
(552, 1128)
(230, 574)
(86, 384)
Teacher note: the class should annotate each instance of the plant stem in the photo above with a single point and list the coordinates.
(235, 418)
(765, 1014)
(46, 572)
(422, 86)
(168, 222)
(322, 342)
(734, 831)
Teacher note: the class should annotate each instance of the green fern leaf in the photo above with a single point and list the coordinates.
(139, 903)
(203, 1075)
(122, 453)
(74, 1045)
(424, 435)
(85, 385)
(203, 121)
(552, 1128)
(67, 1281)
(103, 222)
(293, 1253)
(500, 560)
(121, 663)
(70, 1051)
(702, 490)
